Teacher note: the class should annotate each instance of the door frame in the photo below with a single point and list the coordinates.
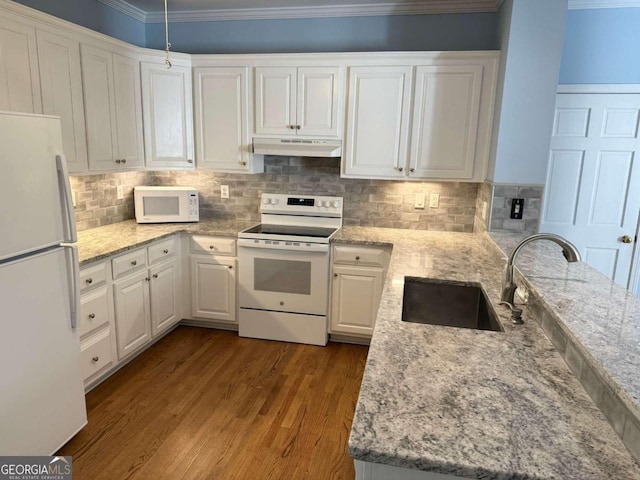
(633, 283)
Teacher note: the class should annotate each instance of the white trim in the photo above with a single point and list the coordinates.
(584, 4)
(380, 9)
(600, 88)
(126, 8)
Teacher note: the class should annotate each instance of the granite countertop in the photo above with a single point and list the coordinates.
(98, 243)
(475, 404)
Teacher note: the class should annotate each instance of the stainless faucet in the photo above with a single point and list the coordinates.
(509, 286)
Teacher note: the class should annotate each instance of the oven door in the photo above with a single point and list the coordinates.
(274, 276)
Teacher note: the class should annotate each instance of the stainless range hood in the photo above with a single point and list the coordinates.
(297, 147)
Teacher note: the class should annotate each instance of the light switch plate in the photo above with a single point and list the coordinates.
(434, 200)
(119, 192)
(224, 191)
(420, 199)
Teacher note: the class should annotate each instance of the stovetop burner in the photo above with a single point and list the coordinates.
(290, 230)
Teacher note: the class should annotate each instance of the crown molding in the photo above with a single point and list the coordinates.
(321, 11)
(127, 9)
(587, 4)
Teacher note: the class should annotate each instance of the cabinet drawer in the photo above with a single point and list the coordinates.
(162, 251)
(359, 256)
(94, 276)
(96, 354)
(94, 311)
(213, 245)
(129, 262)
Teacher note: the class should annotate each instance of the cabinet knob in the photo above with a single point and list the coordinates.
(357, 257)
(155, 275)
(400, 169)
(230, 267)
(298, 127)
(124, 160)
(335, 275)
(92, 316)
(148, 279)
(189, 160)
(89, 281)
(134, 263)
(412, 170)
(118, 160)
(95, 359)
(281, 303)
(212, 247)
(292, 127)
(243, 163)
(165, 251)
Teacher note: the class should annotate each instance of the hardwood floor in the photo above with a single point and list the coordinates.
(207, 404)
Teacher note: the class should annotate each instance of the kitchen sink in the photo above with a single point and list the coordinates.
(447, 303)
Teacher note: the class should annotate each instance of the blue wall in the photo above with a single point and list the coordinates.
(602, 46)
(94, 15)
(403, 32)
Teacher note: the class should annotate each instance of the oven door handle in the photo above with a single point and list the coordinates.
(311, 247)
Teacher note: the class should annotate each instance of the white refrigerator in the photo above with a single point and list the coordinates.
(42, 401)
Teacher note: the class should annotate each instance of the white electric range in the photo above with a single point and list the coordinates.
(284, 268)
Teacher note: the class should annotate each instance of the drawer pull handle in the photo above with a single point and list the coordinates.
(89, 281)
(357, 257)
(92, 316)
(165, 251)
(155, 275)
(95, 359)
(134, 263)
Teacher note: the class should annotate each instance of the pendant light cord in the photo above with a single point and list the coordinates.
(166, 32)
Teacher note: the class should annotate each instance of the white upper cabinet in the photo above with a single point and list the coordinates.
(19, 77)
(297, 101)
(112, 110)
(223, 139)
(430, 118)
(377, 121)
(445, 121)
(168, 116)
(61, 83)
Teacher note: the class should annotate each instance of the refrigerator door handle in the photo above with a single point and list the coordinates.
(63, 175)
(74, 269)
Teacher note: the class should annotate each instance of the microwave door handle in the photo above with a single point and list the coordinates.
(63, 180)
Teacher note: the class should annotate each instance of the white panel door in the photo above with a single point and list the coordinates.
(377, 122)
(61, 82)
(445, 121)
(32, 215)
(19, 77)
(593, 182)
(168, 116)
(318, 101)
(355, 298)
(164, 290)
(222, 118)
(213, 288)
(99, 108)
(42, 403)
(275, 98)
(128, 102)
(133, 319)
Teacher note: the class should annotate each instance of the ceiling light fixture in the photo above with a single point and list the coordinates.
(166, 32)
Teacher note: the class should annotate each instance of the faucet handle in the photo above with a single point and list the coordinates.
(516, 313)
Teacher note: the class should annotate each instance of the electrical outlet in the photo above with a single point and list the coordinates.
(74, 199)
(484, 210)
(434, 200)
(119, 192)
(420, 199)
(224, 191)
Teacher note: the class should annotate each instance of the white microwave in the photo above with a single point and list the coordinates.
(166, 204)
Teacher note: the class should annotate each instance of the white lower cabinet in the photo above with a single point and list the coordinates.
(213, 288)
(133, 315)
(357, 278)
(164, 290)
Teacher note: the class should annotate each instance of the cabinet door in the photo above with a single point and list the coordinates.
(213, 288)
(99, 108)
(61, 82)
(165, 294)
(445, 121)
(168, 116)
(19, 77)
(126, 76)
(275, 100)
(133, 319)
(377, 122)
(222, 118)
(355, 298)
(318, 101)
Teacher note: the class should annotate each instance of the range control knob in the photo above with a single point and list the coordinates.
(335, 204)
(266, 201)
(326, 203)
(274, 201)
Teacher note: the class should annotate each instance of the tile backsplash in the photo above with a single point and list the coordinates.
(379, 203)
